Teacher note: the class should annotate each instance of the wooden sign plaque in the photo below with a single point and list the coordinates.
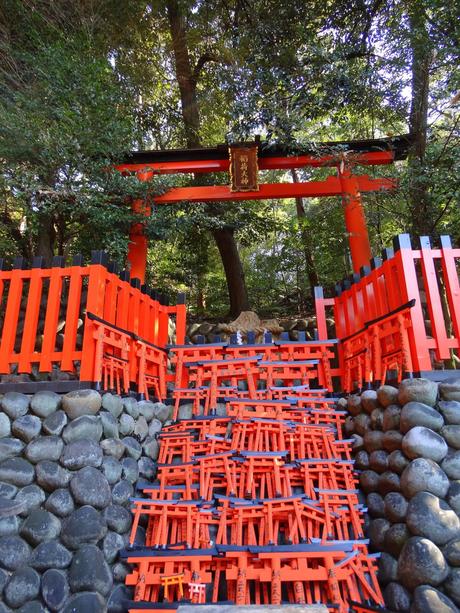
(244, 168)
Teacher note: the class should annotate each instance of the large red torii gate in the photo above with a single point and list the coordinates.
(343, 155)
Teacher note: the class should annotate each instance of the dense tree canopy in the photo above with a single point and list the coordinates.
(82, 83)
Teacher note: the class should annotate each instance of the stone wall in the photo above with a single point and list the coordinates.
(407, 453)
(68, 466)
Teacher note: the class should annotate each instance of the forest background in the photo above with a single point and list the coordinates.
(85, 82)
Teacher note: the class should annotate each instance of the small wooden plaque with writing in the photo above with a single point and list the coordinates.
(244, 168)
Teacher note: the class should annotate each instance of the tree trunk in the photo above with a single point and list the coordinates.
(46, 237)
(419, 197)
(233, 268)
(187, 82)
(302, 218)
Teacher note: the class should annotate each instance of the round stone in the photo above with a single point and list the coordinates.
(420, 562)
(395, 507)
(8, 525)
(373, 440)
(89, 486)
(118, 518)
(369, 400)
(377, 419)
(4, 577)
(394, 539)
(111, 469)
(375, 505)
(126, 425)
(397, 597)
(450, 410)
(120, 571)
(130, 407)
(362, 460)
(141, 429)
(147, 468)
(122, 492)
(377, 529)
(81, 402)
(89, 571)
(155, 427)
(50, 554)
(55, 423)
(423, 475)
(349, 425)
(369, 481)
(418, 414)
(40, 526)
(378, 461)
(86, 426)
(186, 411)
(389, 482)
(10, 448)
(120, 595)
(453, 496)
(113, 404)
(51, 476)
(5, 425)
(132, 447)
(362, 423)
(31, 497)
(44, 448)
(151, 448)
(388, 569)
(109, 424)
(14, 552)
(14, 404)
(452, 552)
(450, 389)
(418, 390)
(45, 403)
(81, 453)
(392, 440)
(23, 585)
(431, 517)
(17, 471)
(357, 441)
(354, 405)
(146, 409)
(451, 465)
(26, 427)
(55, 589)
(113, 447)
(130, 470)
(161, 411)
(391, 418)
(451, 434)
(60, 502)
(427, 599)
(387, 395)
(421, 442)
(85, 602)
(32, 606)
(112, 545)
(452, 585)
(85, 525)
(7, 490)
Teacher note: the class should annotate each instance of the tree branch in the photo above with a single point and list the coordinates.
(202, 60)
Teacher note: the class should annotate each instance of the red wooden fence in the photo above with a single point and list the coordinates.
(43, 314)
(428, 276)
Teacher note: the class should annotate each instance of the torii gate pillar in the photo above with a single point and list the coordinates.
(355, 220)
(138, 243)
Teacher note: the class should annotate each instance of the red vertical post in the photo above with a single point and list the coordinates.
(137, 248)
(355, 221)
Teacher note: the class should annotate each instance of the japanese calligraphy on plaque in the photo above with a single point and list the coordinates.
(244, 168)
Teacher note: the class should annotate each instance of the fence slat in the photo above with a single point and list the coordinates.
(435, 310)
(10, 323)
(29, 333)
(451, 282)
(53, 306)
(76, 274)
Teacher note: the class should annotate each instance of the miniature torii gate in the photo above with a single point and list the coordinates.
(245, 160)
